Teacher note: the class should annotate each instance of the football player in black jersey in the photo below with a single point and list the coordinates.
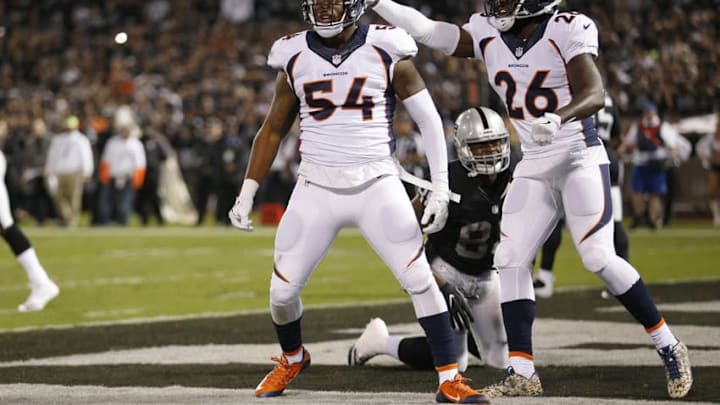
(607, 120)
(461, 254)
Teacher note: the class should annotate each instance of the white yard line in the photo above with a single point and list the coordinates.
(42, 394)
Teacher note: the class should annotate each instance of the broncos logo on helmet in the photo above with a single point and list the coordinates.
(482, 141)
(352, 10)
(504, 12)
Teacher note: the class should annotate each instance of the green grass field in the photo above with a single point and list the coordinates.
(110, 274)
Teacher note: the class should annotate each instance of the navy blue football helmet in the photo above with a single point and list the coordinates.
(352, 10)
(503, 13)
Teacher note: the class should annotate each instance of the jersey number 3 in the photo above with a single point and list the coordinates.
(324, 108)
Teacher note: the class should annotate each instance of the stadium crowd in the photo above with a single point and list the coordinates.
(193, 72)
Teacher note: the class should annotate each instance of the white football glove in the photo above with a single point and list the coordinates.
(436, 211)
(239, 214)
(545, 128)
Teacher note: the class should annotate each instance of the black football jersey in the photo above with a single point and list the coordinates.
(468, 240)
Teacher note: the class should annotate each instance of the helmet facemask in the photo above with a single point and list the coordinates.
(352, 10)
(482, 142)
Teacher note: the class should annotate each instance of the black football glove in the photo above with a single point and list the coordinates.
(460, 315)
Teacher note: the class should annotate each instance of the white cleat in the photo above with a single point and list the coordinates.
(40, 295)
(369, 344)
(543, 283)
(677, 369)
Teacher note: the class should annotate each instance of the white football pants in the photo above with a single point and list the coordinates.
(384, 215)
(577, 184)
(6, 219)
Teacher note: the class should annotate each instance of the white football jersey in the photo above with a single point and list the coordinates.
(346, 96)
(531, 76)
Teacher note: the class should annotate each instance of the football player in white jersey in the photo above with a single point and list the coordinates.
(541, 63)
(343, 79)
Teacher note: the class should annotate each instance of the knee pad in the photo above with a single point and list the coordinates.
(596, 258)
(285, 304)
(619, 276)
(416, 278)
(16, 239)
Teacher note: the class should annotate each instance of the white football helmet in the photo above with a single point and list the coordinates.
(503, 13)
(352, 10)
(482, 141)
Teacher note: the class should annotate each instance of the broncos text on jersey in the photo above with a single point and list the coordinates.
(346, 96)
(531, 76)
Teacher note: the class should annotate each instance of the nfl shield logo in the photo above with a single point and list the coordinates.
(519, 51)
(336, 60)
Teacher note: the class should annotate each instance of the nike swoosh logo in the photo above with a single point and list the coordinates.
(454, 398)
(586, 26)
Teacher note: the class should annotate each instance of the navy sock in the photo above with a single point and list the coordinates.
(638, 302)
(289, 336)
(518, 317)
(440, 337)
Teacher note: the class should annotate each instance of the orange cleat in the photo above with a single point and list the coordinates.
(280, 376)
(457, 391)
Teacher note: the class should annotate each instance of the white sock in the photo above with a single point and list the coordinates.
(447, 375)
(296, 357)
(35, 271)
(521, 365)
(392, 345)
(662, 336)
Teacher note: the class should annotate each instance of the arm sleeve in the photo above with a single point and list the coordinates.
(421, 108)
(435, 34)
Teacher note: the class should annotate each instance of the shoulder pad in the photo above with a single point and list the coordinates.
(284, 48)
(393, 40)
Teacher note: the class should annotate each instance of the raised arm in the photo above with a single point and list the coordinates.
(440, 35)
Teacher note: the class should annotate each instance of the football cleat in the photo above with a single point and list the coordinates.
(40, 295)
(456, 391)
(369, 344)
(280, 376)
(677, 369)
(515, 385)
(543, 283)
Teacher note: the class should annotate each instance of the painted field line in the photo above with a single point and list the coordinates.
(37, 394)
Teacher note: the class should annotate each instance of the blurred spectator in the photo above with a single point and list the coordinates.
(121, 171)
(68, 167)
(708, 149)
(36, 199)
(157, 150)
(222, 157)
(683, 151)
(652, 142)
